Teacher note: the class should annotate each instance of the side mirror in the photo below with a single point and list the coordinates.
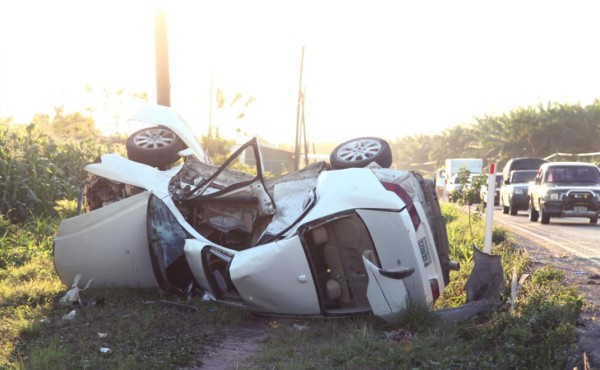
(506, 182)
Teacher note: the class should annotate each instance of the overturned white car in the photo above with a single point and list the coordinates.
(316, 242)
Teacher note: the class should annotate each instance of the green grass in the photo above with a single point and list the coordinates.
(143, 334)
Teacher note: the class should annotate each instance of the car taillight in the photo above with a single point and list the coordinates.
(435, 289)
(410, 207)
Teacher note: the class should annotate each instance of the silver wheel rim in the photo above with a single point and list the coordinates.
(154, 138)
(359, 150)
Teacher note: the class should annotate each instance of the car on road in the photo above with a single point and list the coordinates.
(514, 194)
(565, 189)
(320, 241)
(522, 163)
(497, 186)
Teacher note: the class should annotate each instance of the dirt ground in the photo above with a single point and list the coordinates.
(240, 343)
(586, 276)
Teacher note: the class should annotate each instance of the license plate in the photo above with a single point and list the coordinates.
(580, 209)
(424, 249)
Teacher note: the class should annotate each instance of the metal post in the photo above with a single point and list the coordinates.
(489, 209)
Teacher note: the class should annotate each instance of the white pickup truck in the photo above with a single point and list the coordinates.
(565, 189)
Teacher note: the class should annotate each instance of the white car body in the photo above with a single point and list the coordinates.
(312, 243)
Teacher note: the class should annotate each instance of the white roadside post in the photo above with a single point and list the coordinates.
(489, 209)
(444, 194)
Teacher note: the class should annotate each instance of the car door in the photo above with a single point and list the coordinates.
(108, 245)
(409, 266)
(387, 294)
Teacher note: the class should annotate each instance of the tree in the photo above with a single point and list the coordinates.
(230, 110)
(75, 126)
(413, 152)
(217, 147)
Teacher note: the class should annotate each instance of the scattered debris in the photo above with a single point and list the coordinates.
(70, 315)
(300, 327)
(465, 312)
(105, 350)
(487, 279)
(102, 335)
(399, 335)
(483, 289)
(515, 287)
(72, 295)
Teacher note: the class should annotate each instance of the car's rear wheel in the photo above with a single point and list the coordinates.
(513, 210)
(505, 209)
(361, 152)
(594, 219)
(155, 146)
(533, 214)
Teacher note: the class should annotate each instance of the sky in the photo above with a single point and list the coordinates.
(370, 68)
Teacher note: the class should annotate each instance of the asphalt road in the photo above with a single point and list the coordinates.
(571, 235)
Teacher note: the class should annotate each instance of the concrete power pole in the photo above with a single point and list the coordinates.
(298, 122)
(163, 83)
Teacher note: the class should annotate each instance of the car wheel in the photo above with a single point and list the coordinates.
(361, 152)
(533, 214)
(512, 210)
(155, 146)
(504, 208)
(544, 218)
(594, 219)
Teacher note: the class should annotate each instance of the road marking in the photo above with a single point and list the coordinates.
(578, 252)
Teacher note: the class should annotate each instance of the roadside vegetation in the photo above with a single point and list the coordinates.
(143, 329)
(536, 131)
(146, 330)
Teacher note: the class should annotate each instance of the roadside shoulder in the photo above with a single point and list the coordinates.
(586, 277)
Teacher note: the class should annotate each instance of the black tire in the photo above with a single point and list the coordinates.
(594, 219)
(155, 146)
(544, 218)
(513, 210)
(361, 152)
(533, 214)
(504, 208)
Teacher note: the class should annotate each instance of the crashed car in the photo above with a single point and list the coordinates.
(314, 242)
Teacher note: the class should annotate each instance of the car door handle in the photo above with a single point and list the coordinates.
(398, 272)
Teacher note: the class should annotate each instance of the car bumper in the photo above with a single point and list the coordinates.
(519, 201)
(570, 208)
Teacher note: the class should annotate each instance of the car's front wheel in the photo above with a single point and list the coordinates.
(544, 217)
(361, 152)
(155, 146)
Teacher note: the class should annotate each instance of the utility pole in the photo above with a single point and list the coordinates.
(298, 123)
(161, 49)
(210, 105)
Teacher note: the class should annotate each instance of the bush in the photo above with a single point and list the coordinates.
(36, 171)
